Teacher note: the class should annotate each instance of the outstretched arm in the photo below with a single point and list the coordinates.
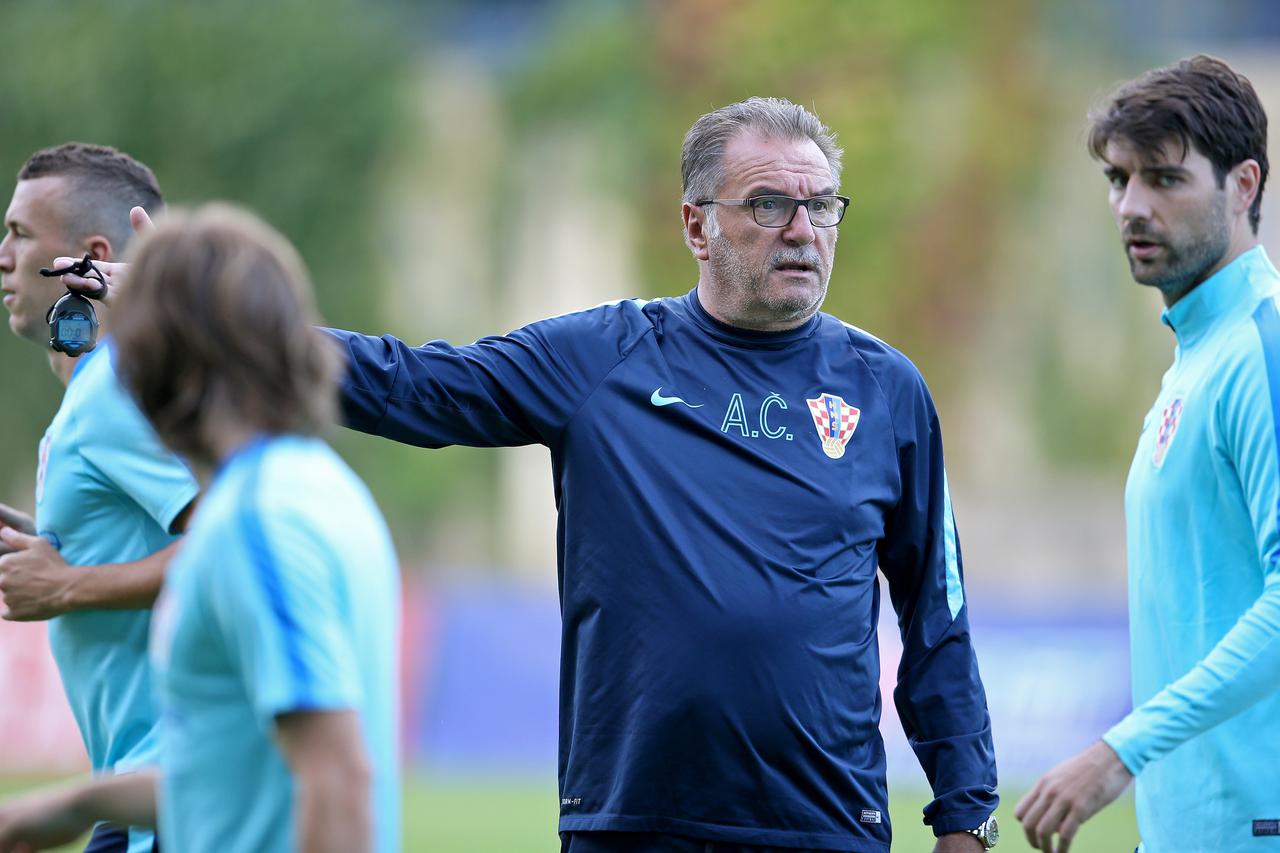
(515, 389)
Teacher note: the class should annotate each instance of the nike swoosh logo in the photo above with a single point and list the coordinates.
(658, 400)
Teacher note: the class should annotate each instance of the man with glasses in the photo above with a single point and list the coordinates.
(731, 467)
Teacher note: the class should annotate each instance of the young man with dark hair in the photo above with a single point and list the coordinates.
(110, 499)
(1184, 149)
(274, 643)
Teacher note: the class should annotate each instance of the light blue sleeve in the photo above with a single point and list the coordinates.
(121, 445)
(282, 612)
(1244, 667)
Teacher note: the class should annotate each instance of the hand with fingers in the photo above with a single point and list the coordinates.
(18, 520)
(113, 274)
(1070, 794)
(35, 581)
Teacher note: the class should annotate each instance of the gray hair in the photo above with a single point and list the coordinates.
(702, 159)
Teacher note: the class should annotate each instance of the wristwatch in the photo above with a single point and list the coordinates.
(988, 832)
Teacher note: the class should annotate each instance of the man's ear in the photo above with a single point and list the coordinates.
(99, 248)
(696, 235)
(1244, 180)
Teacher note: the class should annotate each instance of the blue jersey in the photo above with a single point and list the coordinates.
(1204, 576)
(724, 498)
(285, 597)
(107, 492)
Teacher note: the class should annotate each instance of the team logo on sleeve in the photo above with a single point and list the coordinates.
(1168, 429)
(40, 468)
(835, 421)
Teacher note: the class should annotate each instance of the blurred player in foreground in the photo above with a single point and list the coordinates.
(110, 498)
(274, 641)
(731, 468)
(1185, 152)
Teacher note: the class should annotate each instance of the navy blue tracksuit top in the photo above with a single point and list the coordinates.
(725, 498)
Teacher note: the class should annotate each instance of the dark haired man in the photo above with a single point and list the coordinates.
(109, 498)
(1185, 152)
(731, 467)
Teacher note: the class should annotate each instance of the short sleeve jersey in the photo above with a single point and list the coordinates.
(107, 491)
(284, 598)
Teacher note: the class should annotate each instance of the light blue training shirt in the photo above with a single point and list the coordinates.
(1204, 576)
(284, 597)
(107, 491)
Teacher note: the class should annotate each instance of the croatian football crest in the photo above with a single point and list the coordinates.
(1168, 429)
(835, 421)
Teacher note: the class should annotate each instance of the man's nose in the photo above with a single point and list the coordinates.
(6, 254)
(1133, 202)
(799, 232)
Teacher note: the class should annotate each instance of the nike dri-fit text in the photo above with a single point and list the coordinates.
(725, 498)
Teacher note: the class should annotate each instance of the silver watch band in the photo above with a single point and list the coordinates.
(988, 832)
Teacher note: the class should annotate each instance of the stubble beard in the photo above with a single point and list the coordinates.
(748, 289)
(1186, 264)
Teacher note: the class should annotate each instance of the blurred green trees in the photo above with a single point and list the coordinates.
(962, 246)
(931, 101)
(957, 128)
(287, 106)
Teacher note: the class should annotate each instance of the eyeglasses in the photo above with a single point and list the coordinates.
(777, 211)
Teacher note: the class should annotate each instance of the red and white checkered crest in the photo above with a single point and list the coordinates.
(1168, 429)
(835, 421)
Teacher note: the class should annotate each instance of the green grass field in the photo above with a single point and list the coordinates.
(504, 816)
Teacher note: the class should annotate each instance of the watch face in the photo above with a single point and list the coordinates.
(992, 832)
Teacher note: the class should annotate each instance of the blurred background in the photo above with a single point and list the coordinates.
(456, 169)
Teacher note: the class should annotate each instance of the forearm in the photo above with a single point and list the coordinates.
(119, 586)
(126, 799)
(1241, 669)
(56, 816)
(332, 813)
(428, 396)
(943, 709)
(958, 842)
(332, 780)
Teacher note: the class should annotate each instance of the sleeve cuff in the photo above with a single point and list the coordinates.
(1125, 739)
(175, 506)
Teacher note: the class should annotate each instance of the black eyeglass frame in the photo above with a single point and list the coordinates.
(797, 202)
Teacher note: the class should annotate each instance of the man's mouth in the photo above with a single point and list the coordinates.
(1142, 249)
(795, 267)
